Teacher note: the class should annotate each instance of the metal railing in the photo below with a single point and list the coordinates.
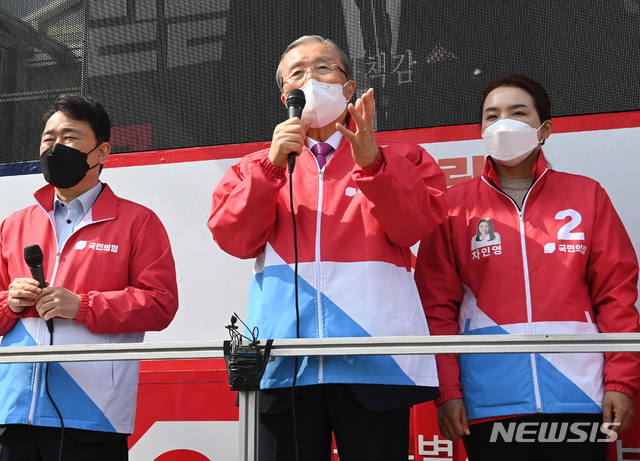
(382, 345)
(395, 345)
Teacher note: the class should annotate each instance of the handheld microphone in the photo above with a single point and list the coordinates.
(295, 104)
(33, 257)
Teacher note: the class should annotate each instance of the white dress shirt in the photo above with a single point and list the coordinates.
(68, 217)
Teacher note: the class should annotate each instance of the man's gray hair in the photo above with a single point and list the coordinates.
(347, 67)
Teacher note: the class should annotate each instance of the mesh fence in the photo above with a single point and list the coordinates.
(185, 73)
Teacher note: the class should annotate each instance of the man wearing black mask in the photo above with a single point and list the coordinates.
(110, 276)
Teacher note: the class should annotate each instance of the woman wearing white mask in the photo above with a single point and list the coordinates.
(564, 264)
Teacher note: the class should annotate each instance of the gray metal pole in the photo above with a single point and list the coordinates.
(380, 345)
(248, 401)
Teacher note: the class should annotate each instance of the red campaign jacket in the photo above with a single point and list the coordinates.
(355, 228)
(564, 264)
(404, 199)
(119, 261)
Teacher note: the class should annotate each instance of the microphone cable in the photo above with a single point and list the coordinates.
(295, 105)
(46, 386)
(34, 258)
(295, 362)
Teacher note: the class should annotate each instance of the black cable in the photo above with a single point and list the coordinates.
(46, 386)
(295, 362)
(235, 334)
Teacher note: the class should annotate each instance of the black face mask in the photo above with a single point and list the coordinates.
(63, 166)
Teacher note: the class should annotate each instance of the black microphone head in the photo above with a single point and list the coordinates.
(33, 255)
(296, 98)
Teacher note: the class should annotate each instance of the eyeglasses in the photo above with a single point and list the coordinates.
(319, 69)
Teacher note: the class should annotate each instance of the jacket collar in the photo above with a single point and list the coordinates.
(539, 168)
(105, 206)
(309, 159)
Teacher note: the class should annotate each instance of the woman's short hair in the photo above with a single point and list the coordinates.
(536, 91)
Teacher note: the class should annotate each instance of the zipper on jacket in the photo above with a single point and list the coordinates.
(34, 395)
(318, 271)
(527, 285)
(536, 385)
(41, 328)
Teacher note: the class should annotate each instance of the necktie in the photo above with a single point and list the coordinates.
(320, 150)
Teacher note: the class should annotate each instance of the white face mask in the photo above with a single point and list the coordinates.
(325, 102)
(510, 141)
